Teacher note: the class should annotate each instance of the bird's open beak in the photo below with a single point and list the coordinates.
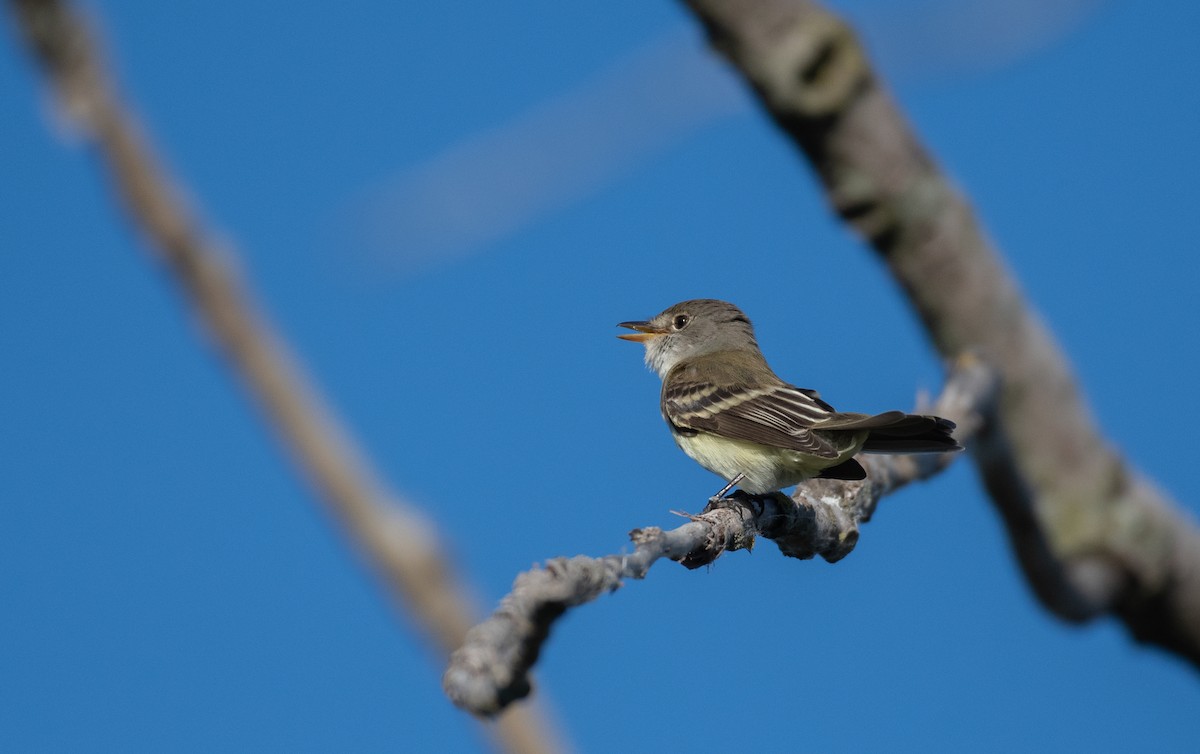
(645, 331)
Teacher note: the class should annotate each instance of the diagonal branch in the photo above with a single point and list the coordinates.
(396, 539)
(491, 670)
(1091, 534)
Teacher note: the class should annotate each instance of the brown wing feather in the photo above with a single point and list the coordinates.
(785, 416)
(776, 415)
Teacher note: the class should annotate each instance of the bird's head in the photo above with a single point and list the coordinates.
(690, 329)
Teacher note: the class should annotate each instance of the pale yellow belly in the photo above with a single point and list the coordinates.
(766, 468)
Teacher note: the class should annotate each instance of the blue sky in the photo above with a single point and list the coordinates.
(168, 583)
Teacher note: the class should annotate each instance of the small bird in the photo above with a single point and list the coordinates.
(730, 413)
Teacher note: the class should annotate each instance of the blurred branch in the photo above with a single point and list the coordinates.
(1092, 536)
(491, 670)
(396, 539)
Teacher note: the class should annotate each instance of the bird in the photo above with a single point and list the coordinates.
(728, 411)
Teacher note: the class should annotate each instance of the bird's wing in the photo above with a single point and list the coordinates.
(778, 415)
(867, 421)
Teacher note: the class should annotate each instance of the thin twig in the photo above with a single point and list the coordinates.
(490, 671)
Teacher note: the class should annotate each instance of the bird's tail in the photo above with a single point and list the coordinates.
(912, 433)
(898, 432)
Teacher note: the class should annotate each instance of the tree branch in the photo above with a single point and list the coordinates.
(490, 671)
(397, 540)
(1091, 535)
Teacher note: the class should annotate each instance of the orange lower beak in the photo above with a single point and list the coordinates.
(645, 331)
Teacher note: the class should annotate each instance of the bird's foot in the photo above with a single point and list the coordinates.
(739, 501)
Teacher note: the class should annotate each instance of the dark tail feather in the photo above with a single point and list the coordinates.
(850, 470)
(913, 434)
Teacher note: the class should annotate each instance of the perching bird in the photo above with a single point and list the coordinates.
(728, 410)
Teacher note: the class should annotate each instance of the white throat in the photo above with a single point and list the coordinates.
(662, 354)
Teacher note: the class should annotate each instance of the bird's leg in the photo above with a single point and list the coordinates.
(721, 495)
(740, 500)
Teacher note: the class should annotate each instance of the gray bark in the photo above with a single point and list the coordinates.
(1092, 536)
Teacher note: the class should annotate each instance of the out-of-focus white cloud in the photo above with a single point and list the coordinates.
(946, 39)
(503, 180)
(499, 181)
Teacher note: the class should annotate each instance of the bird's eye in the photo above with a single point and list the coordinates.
(680, 321)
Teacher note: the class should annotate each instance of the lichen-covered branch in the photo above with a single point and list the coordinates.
(394, 536)
(491, 670)
(1092, 536)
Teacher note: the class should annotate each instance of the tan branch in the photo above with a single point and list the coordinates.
(491, 669)
(397, 540)
(1092, 536)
